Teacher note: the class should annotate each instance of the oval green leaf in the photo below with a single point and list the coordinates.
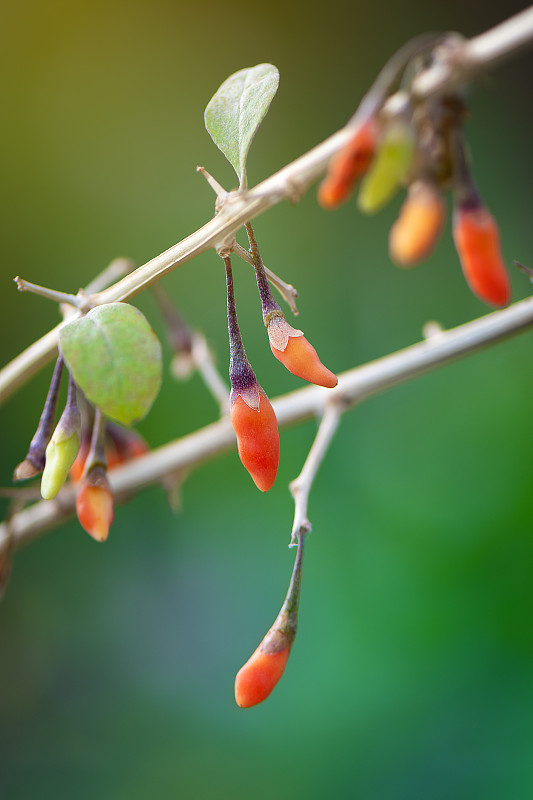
(115, 358)
(236, 111)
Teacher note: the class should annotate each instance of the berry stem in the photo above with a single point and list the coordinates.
(96, 456)
(301, 486)
(268, 303)
(241, 373)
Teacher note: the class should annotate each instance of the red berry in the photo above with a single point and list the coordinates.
(95, 509)
(257, 438)
(347, 166)
(477, 241)
(257, 678)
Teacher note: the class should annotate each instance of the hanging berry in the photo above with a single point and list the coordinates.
(95, 504)
(252, 416)
(477, 241)
(94, 499)
(258, 677)
(295, 353)
(476, 236)
(348, 165)
(288, 344)
(415, 234)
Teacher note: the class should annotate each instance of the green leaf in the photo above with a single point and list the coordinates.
(115, 358)
(236, 111)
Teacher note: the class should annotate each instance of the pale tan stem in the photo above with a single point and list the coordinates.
(300, 487)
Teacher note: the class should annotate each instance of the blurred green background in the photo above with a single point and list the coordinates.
(412, 673)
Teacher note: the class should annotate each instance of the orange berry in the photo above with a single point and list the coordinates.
(294, 351)
(347, 166)
(301, 358)
(95, 509)
(257, 678)
(477, 241)
(257, 438)
(416, 232)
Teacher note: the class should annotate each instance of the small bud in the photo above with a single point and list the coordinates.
(60, 455)
(295, 353)
(347, 166)
(33, 464)
(258, 677)
(63, 447)
(388, 170)
(477, 241)
(256, 428)
(95, 504)
(416, 232)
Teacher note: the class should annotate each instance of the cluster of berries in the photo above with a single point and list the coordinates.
(252, 415)
(421, 146)
(83, 445)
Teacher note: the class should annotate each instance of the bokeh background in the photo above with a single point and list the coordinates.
(412, 673)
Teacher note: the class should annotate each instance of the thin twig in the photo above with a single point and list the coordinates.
(78, 301)
(354, 386)
(286, 290)
(203, 360)
(301, 486)
(468, 58)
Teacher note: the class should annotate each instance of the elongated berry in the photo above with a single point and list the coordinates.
(347, 166)
(258, 677)
(388, 169)
(95, 504)
(416, 232)
(477, 241)
(252, 415)
(295, 353)
(256, 429)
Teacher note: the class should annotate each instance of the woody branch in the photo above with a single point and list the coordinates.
(354, 386)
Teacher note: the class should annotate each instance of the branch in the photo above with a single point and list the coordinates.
(354, 386)
(301, 486)
(465, 59)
